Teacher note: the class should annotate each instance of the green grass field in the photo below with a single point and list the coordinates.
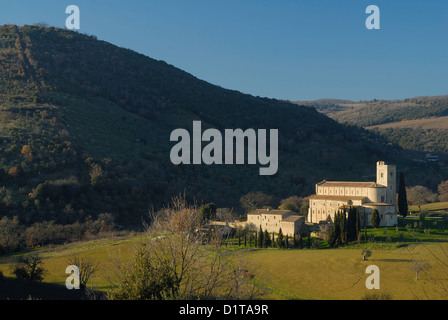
(430, 207)
(104, 251)
(341, 273)
(326, 274)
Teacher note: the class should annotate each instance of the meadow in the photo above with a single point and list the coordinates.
(315, 274)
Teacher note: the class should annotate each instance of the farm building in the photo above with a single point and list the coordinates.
(273, 220)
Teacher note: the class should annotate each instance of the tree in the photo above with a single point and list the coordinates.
(280, 239)
(335, 238)
(181, 260)
(87, 268)
(293, 203)
(10, 231)
(29, 267)
(146, 279)
(14, 171)
(266, 239)
(27, 154)
(304, 208)
(96, 174)
(343, 223)
(366, 253)
(352, 224)
(402, 197)
(260, 238)
(208, 211)
(375, 218)
(256, 200)
(442, 188)
(420, 195)
(418, 266)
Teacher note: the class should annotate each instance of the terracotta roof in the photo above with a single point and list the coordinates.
(341, 198)
(349, 184)
(292, 218)
(271, 211)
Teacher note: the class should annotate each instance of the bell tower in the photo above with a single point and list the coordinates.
(386, 176)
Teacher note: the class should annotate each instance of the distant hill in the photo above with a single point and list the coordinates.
(376, 112)
(85, 129)
(419, 123)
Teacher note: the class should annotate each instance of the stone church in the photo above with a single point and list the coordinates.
(332, 196)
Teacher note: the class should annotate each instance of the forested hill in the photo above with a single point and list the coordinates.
(85, 130)
(376, 112)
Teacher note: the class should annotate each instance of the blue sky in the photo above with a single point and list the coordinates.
(284, 49)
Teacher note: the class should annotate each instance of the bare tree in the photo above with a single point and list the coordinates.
(441, 259)
(191, 256)
(87, 268)
(420, 195)
(418, 266)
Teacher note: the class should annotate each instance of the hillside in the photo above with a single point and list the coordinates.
(85, 130)
(419, 123)
(377, 112)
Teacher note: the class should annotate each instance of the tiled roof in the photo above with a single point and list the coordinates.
(292, 218)
(340, 198)
(271, 211)
(349, 184)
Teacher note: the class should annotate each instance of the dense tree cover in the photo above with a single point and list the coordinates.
(15, 236)
(427, 140)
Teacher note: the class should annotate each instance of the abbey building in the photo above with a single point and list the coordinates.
(332, 196)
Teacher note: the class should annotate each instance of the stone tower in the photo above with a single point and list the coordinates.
(386, 176)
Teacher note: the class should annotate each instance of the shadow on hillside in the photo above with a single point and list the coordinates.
(394, 260)
(13, 289)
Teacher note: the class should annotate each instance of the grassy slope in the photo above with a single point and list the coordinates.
(104, 251)
(431, 206)
(340, 274)
(291, 274)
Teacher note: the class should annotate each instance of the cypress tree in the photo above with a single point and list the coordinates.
(358, 226)
(266, 239)
(375, 218)
(260, 238)
(280, 239)
(343, 226)
(351, 224)
(402, 197)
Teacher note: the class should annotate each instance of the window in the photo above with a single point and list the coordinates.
(382, 198)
